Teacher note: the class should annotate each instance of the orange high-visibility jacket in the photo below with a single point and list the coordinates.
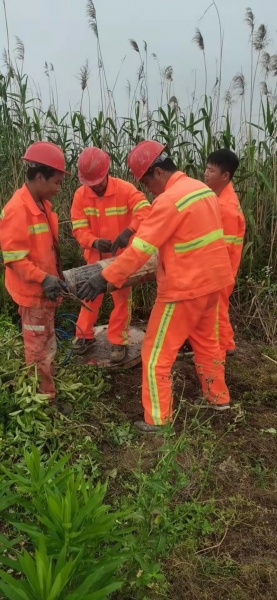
(27, 246)
(185, 226)
(233, 224)
(92, 217)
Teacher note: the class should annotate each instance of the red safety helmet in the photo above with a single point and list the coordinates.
(93, 166)
(142, 157)
(47, 154)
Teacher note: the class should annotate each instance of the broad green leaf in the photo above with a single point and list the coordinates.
(27, 566)
(61, 581)
(15, 588)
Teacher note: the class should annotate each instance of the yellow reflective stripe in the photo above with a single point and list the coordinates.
(144, 246)
(13, 255)
(194, 197)
(229, 239)
(233, 239)
(128, 320)
(153, 359)
(80, 223)
(116, 210)
(2, 214)
(199, 242)
(140, 205)
(91, 212)
(217, 322)
(38, 228)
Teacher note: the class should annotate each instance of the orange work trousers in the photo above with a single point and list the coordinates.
(224, 330)
(119, 321)
(170, 324)
(38, 329)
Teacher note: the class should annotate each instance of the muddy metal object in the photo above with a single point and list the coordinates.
(76, 299)
(99, 353)
(76, 277)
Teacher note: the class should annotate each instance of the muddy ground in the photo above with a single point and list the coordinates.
(242, 565)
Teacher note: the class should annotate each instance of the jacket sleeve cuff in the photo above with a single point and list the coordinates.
(41, 276)
(92, 239)
(85, 241)
(111, 278)
(134, 224)
(87, 244)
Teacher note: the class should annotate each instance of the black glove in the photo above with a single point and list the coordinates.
(94, 286)
(121, 241)
(102, 245)
(53, 287)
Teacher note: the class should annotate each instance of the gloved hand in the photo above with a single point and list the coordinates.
(94, 286)
(102, 245)
(121, 241)
(53, 287)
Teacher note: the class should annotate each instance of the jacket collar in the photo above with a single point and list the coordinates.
(228, 188)
(110, 191)
(29, 201)
(177, 175)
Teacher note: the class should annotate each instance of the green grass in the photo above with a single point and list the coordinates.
(177, 504)
(190, 515)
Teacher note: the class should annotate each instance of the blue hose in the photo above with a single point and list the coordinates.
(64, 335)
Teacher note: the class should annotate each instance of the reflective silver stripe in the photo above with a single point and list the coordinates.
(91, 212)
(13, 255)
(80, 223)
(34, 327)
(213, 236)
(189, 199)
(239, 241)
(233, 239)
(144, 246)
(139, 205)
(116, 210)
(157, 347)
(230, 239)
(38, 228)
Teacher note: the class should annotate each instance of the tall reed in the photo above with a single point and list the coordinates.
(190, 134)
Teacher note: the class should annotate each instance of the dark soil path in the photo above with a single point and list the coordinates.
(242, 479)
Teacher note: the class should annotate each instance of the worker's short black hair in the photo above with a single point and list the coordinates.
(225, 159)
(166, 165)
(32, 171)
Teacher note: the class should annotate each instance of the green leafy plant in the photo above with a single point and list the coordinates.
(77, 542)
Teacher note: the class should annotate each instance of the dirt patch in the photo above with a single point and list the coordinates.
(242, 565)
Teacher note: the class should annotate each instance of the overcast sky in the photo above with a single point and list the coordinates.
(57, 31)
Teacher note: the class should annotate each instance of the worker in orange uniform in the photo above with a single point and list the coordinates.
(185, 226)
(105, 214)
(221, 166)
(29, 242)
